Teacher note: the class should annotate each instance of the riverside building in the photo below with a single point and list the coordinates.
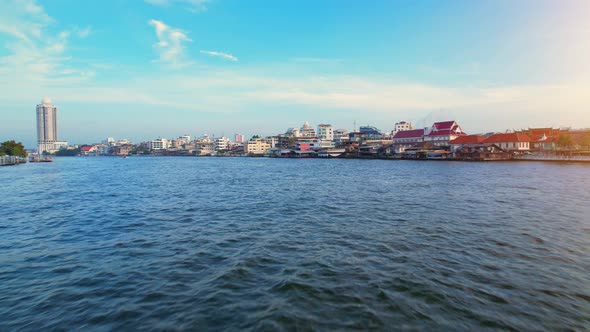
(326, 132)
(47, 140)
(402, 126)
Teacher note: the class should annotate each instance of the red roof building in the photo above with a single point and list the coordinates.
(510, 141)
(87, 150)
(409, 136)
(442, 133)
(543, 138)
(468, 139)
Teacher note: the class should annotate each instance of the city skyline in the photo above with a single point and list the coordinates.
(163, 68)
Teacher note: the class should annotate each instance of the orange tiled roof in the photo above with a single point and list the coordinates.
(507, 138)
(468, 139)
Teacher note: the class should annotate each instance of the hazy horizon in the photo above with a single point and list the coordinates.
(163, 68)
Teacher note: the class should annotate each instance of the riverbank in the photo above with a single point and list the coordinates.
(521, 158)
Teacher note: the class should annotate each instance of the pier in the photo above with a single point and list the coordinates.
(11, 160)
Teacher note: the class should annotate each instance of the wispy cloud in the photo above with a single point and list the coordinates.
(34, 52)
(170, 43)
(83, 32)
(191, 5)
(221, 55)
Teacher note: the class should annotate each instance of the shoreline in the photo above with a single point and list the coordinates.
(550, 160)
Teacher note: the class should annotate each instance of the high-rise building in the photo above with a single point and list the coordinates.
(47, 140)
(239, 138)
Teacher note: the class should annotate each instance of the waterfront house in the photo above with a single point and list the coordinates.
(204, 148)
(158, 144)
(442, 133)
(510, 142)
(405, 139)
(543, 138)
(460, 141)
(123, 150)
(88, 150)
(256, 147)
(481, 152)
(370, 151)
(304, 144)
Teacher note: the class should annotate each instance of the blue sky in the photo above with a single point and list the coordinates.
(142, 69)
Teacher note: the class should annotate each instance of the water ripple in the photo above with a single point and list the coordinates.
(270, 244)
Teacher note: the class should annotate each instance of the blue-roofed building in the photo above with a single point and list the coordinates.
(370, 131)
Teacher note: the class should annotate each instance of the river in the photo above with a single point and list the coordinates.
(148, 243)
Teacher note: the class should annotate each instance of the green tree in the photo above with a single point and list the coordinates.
(68, 152)
(585, 142)
(13, 148)
(565, 141)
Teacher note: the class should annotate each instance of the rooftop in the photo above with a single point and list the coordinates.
(508, 138)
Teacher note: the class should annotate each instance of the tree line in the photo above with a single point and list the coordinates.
(12, 148)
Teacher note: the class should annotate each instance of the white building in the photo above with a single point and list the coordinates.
(511, 142)
(273, 141)
(158, 144)
(186, 139)
(327, 144)
(325, 132)
(60, 145)
(221, 143)
(402, 126)
(307, 131)
(122, 142)
(109, 141)
(293, 132)
(47, 140)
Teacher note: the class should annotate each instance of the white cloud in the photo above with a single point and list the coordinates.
(83, 32)
(169, 45)
(221, 55)
(192, 5)
(34, 51)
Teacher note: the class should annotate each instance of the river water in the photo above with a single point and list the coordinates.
(145, 243)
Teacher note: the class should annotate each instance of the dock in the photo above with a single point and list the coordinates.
(11, 160)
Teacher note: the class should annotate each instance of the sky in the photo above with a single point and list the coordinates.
(142, 69)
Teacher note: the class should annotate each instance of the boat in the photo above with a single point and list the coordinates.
(36, 158)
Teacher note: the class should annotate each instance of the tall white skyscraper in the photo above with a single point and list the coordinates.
(47, 126)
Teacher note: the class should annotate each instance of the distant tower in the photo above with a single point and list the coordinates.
(46, 126)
